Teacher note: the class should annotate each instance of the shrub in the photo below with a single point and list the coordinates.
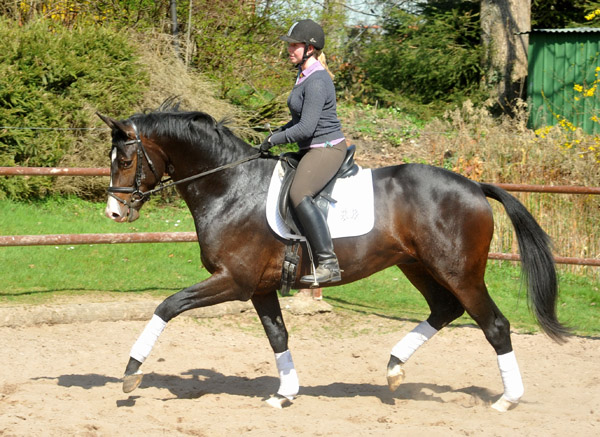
(433, 57)
(238, 47)
(53, 77)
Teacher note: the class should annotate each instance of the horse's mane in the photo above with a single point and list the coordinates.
(190, 126)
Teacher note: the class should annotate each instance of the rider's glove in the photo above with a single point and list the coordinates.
(265, 146)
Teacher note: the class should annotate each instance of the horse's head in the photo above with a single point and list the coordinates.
(136, 167)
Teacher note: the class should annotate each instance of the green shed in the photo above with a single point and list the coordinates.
(558, 60)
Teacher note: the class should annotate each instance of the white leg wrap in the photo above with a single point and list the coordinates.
(144, 344)
(511, 377)
(288, 378)
(413, 341)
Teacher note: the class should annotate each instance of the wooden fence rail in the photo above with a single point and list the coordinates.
(186, 237)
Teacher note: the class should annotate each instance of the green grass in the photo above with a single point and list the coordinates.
(389, 293)
(40, 274)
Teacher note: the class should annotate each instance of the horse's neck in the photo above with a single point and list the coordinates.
(246, 180)
(188, 159)
(232, 201)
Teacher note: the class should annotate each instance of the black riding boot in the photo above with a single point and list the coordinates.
(317, 233)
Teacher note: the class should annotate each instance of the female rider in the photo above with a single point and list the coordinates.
(317, 130)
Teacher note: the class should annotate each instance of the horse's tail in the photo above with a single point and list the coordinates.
(537, 262)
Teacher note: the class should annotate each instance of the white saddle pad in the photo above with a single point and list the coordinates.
(352, 215)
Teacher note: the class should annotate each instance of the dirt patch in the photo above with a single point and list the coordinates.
(209, 376)
(80, 309)
(375, 154)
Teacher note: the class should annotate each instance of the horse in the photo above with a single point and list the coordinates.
(433, 224)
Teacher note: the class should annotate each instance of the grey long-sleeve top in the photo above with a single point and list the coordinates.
(312, 104)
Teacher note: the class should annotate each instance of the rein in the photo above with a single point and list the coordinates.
(143, 196)
(200, 175)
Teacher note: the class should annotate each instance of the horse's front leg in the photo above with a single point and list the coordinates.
(268, 309)
(216, 289)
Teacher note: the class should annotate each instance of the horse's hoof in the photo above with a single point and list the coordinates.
(131, 382)
(395, 374)
(395, 378)
(278, 401)
(503, 405)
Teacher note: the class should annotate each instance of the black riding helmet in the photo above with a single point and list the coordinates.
(307, 32)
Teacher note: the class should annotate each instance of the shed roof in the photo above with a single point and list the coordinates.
(566, 30)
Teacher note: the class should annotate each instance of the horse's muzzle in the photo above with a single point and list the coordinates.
(120, 211)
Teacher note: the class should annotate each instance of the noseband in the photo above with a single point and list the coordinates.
(138, 196)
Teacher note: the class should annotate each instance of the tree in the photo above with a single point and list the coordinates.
(430, 54)
(332, 21)
(503, 23)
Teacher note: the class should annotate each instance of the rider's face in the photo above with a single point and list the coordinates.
(296, 51)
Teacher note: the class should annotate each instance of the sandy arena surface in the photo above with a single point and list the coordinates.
(209, 377)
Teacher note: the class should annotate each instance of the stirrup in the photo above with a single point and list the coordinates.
(329, 272)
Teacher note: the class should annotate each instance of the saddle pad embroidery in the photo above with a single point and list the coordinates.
(351, 216)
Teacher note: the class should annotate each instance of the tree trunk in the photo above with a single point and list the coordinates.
(506, 59)
(174, 26)
(332, 20)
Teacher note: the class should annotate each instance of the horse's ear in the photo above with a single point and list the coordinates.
(112, 123)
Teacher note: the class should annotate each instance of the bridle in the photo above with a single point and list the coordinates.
(137, 195)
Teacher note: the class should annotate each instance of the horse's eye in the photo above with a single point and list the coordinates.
(126, 163)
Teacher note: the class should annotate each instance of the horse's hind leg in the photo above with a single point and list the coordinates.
(470, 290)
(269, 311)
(496, 328)
(444, 309)
(447, 306)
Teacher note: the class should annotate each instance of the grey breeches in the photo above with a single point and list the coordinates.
(315, 170)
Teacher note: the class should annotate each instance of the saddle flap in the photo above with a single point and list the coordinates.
(283, 202)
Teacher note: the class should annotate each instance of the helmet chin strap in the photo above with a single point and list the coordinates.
(305, 57)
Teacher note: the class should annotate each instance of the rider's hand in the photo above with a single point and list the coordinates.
(265, 146)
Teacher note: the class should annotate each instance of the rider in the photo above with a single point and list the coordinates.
(317, 130)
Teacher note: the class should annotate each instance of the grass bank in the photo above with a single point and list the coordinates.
(44, 274)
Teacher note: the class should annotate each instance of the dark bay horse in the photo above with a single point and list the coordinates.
(435, 225)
